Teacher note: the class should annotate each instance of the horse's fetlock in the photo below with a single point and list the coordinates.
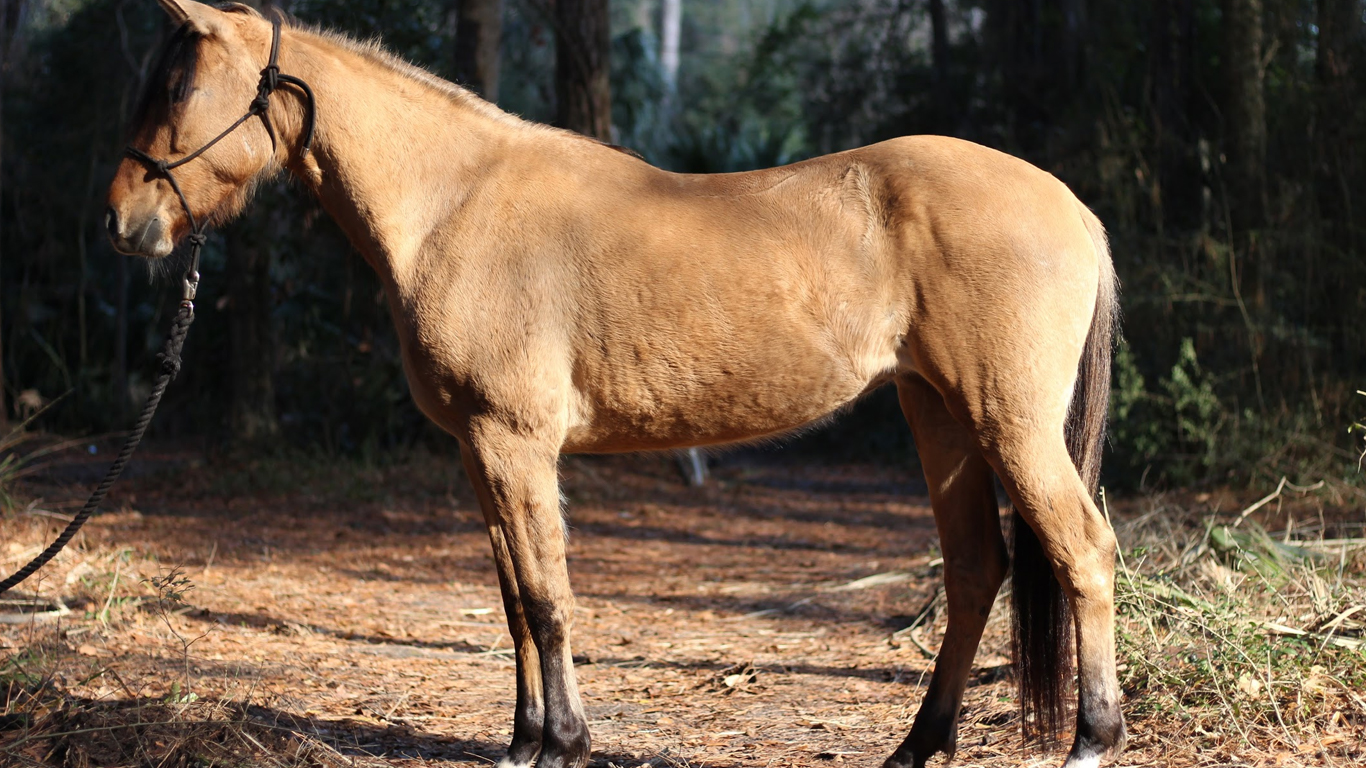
(1100, 729)
(566, 744)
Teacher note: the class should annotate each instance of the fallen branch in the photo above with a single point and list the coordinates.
(1270, 497)
(1350, 643)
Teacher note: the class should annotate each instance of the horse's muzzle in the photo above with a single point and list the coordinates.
(138, 236)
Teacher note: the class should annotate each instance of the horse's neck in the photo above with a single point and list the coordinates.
(395, 156)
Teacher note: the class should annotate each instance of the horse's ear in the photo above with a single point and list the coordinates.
(197, 15)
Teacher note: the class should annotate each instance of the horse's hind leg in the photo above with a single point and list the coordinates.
(975, 561)
(530, 714)
(1039, 475)
(516, 474)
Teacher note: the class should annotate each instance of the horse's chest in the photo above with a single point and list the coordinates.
(437, 361)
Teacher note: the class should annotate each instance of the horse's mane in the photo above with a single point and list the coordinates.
(374, 51)
(172, 78)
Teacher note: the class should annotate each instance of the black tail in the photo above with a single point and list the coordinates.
(1042, 627)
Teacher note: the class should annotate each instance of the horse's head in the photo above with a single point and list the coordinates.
(205, 80)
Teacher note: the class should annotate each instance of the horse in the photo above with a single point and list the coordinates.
(553, 294)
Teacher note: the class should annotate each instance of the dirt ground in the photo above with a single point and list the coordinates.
(732, 625)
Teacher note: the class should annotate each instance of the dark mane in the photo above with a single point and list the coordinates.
(172, 77)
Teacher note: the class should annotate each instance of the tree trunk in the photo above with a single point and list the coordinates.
(4, 407)
(1340, 23)
(1073, 38)
(1244, 111)
(11, 14)
(251, 412)
(1171, 73)
(478, 45)
(583, 89)
(670, 28)
(1014, 35)
(943, 115)
(939, 40)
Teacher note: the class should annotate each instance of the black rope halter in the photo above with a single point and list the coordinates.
(271, 78)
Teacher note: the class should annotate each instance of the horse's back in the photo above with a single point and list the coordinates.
(727, 307)
(694, 309)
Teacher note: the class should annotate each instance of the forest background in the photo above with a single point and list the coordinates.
(1222, 142)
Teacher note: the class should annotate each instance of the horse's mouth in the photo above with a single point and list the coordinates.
(148, 239)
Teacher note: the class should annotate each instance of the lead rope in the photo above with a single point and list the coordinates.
(180, 327)
(170, 366)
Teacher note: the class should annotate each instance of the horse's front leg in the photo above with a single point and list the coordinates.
(515, 475)
(530, 715)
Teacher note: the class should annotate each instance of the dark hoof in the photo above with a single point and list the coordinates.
(569, 748)
(522, 753)
(911, 760)
(916, 752)
(1097, 737)
(897, 760)
(933, 732)
(526, 741)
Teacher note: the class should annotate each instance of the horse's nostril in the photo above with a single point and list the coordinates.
(111, 221)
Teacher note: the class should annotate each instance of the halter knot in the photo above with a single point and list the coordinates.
(170, 365)
(270, 80)
(260, 107)
(270, 77)
(170, 357)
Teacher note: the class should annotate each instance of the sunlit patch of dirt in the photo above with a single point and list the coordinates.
(358, 609)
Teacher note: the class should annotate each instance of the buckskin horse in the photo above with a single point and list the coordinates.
(553, 294)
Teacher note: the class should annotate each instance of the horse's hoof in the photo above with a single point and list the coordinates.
(520, 756)
(524, 749)
(909, 761)
(917, 758)
(933, 733)
(569, 750)
(1093, 744)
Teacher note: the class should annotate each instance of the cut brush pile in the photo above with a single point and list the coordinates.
(1246, 645)
(50, 727)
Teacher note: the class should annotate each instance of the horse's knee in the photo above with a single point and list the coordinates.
(549, 615)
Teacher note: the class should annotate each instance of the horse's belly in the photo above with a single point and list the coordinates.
(725, 397)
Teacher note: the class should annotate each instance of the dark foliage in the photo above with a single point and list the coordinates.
(1243, 284)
